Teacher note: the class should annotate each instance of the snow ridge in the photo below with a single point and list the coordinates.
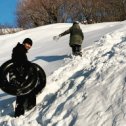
(87, 91)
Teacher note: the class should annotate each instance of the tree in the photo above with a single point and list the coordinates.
(70, 10)
(104, 10)
(34, 13)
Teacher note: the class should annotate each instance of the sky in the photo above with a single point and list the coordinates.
(80, 91)
(7, 12)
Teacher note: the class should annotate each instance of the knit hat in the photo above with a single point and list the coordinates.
(76, 22)
(27, 40)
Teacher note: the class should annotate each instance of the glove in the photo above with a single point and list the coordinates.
(56, 37)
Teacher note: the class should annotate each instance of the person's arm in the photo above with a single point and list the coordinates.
(65, 33)
(62, 34)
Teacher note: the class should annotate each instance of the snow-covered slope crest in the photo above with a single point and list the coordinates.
(88, 91)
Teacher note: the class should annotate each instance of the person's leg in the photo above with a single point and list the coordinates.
(19, 109)
(73, 49)
(31, 101)
(78, 50)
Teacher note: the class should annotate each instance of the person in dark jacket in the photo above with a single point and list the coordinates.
(76, 38)
(19, 58)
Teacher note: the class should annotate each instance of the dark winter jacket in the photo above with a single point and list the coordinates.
(19, 54)
(76, 35)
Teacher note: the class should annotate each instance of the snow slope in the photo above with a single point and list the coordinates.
(80, 91)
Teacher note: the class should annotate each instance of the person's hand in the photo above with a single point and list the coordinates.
(56, 37)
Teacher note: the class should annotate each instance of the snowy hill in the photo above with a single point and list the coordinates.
(80, 91)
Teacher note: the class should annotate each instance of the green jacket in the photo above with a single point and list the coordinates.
(76, 34)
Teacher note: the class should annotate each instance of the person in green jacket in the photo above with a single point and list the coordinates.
(76, 38)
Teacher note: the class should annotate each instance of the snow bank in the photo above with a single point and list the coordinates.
(88, 91)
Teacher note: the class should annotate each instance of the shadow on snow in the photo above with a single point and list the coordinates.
(50, 58)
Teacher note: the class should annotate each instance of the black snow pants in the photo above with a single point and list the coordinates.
(24, 102)
(76, 50)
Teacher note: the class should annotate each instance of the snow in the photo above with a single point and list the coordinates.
(80, 91)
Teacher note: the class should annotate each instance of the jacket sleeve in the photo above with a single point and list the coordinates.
(65, 33)
(19, 55)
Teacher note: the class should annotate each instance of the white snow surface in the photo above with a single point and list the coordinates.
(80, 91)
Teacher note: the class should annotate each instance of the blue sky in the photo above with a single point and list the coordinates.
(7, 12)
